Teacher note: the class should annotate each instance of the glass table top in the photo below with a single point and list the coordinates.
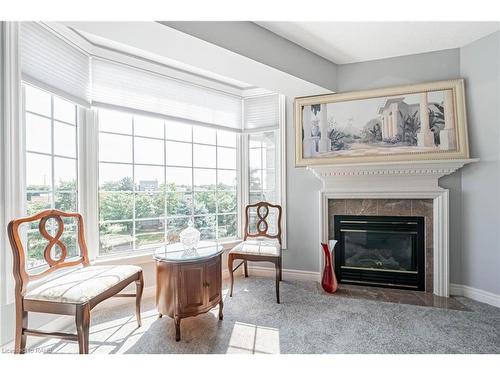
(176, 252)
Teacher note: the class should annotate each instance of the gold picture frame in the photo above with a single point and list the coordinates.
(381, 125)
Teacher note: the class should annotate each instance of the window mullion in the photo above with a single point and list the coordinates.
(133, 188)
(52, 152)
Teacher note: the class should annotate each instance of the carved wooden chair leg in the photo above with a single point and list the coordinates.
(177, 322)
(21, 323)
(139, 287)
(221, 306)
(230, 269)
(281, 269)
(82, 327)
(276, 265)
(245, 266)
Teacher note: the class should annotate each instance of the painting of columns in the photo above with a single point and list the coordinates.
(407, 123)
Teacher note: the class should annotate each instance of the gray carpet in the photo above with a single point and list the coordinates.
(307, 321)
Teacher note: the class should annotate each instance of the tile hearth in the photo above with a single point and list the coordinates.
(407, 297)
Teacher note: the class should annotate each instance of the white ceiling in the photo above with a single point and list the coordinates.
(348, 42)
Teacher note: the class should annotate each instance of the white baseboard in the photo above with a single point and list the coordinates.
(287, 273)
(475, 294)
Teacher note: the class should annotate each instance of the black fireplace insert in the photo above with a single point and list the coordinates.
(385, 251)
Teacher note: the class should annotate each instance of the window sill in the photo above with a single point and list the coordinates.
(144, 256)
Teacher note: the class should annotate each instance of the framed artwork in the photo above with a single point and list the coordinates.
(405, 123)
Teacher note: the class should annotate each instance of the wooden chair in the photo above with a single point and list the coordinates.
(265, 247)
(66, 287)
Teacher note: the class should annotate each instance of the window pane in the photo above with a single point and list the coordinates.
(115, 122)
(205, 135)
(149, 233)
(64, 140)
(64, 110)
(36, 244)
(148, 151)
(149, 178)
(226, 138)
(65, 201)
(149, 205)
(256, 197)
(65, 173)
(38, 172)
(268, 158)
(179, 154)
(227, 180)
(204, 203)
(179, 204)
(116, 206)
(37, 101)
(255, 160)
(206, 226)
(204, 179)
(269, 179)
(227, 201)
(269, 196)
(226, 158)
(38, 134)
(204, 156)
(227, 226)
(174, 227)
(149, 127)
(69, 238)
(179, 179)
(114, 147)
(115, 177)
(115, 237)
(255, 179)
(178, 131)
(36, 202)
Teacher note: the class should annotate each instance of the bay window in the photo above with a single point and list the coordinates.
(156, 175)
(154, 152)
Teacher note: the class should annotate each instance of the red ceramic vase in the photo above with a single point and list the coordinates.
(329, 281)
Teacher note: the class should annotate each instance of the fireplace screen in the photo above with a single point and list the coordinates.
(380, 250)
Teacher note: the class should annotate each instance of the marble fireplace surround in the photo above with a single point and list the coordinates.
(389, 207)
(372, 184)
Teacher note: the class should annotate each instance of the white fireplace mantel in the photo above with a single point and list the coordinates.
(386, 176)
(395, 180)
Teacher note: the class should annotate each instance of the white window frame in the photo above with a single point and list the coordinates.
(280, 155)
(93, 181)
(52, 153)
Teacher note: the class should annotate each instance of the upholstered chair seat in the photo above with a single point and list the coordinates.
(82, 284)
(260, 246)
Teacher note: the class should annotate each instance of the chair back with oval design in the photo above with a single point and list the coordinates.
(21, 275)
(263, 216)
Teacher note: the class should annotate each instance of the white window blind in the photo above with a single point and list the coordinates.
(261, 112)
(51, 63)
(128, 87)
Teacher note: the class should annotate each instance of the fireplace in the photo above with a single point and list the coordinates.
(385, 251)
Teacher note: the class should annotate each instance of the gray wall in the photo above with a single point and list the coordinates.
(474, 196)
(432, 66)
(259, 44)
(480, 66)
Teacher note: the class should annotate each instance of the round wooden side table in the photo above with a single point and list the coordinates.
(188, 282)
